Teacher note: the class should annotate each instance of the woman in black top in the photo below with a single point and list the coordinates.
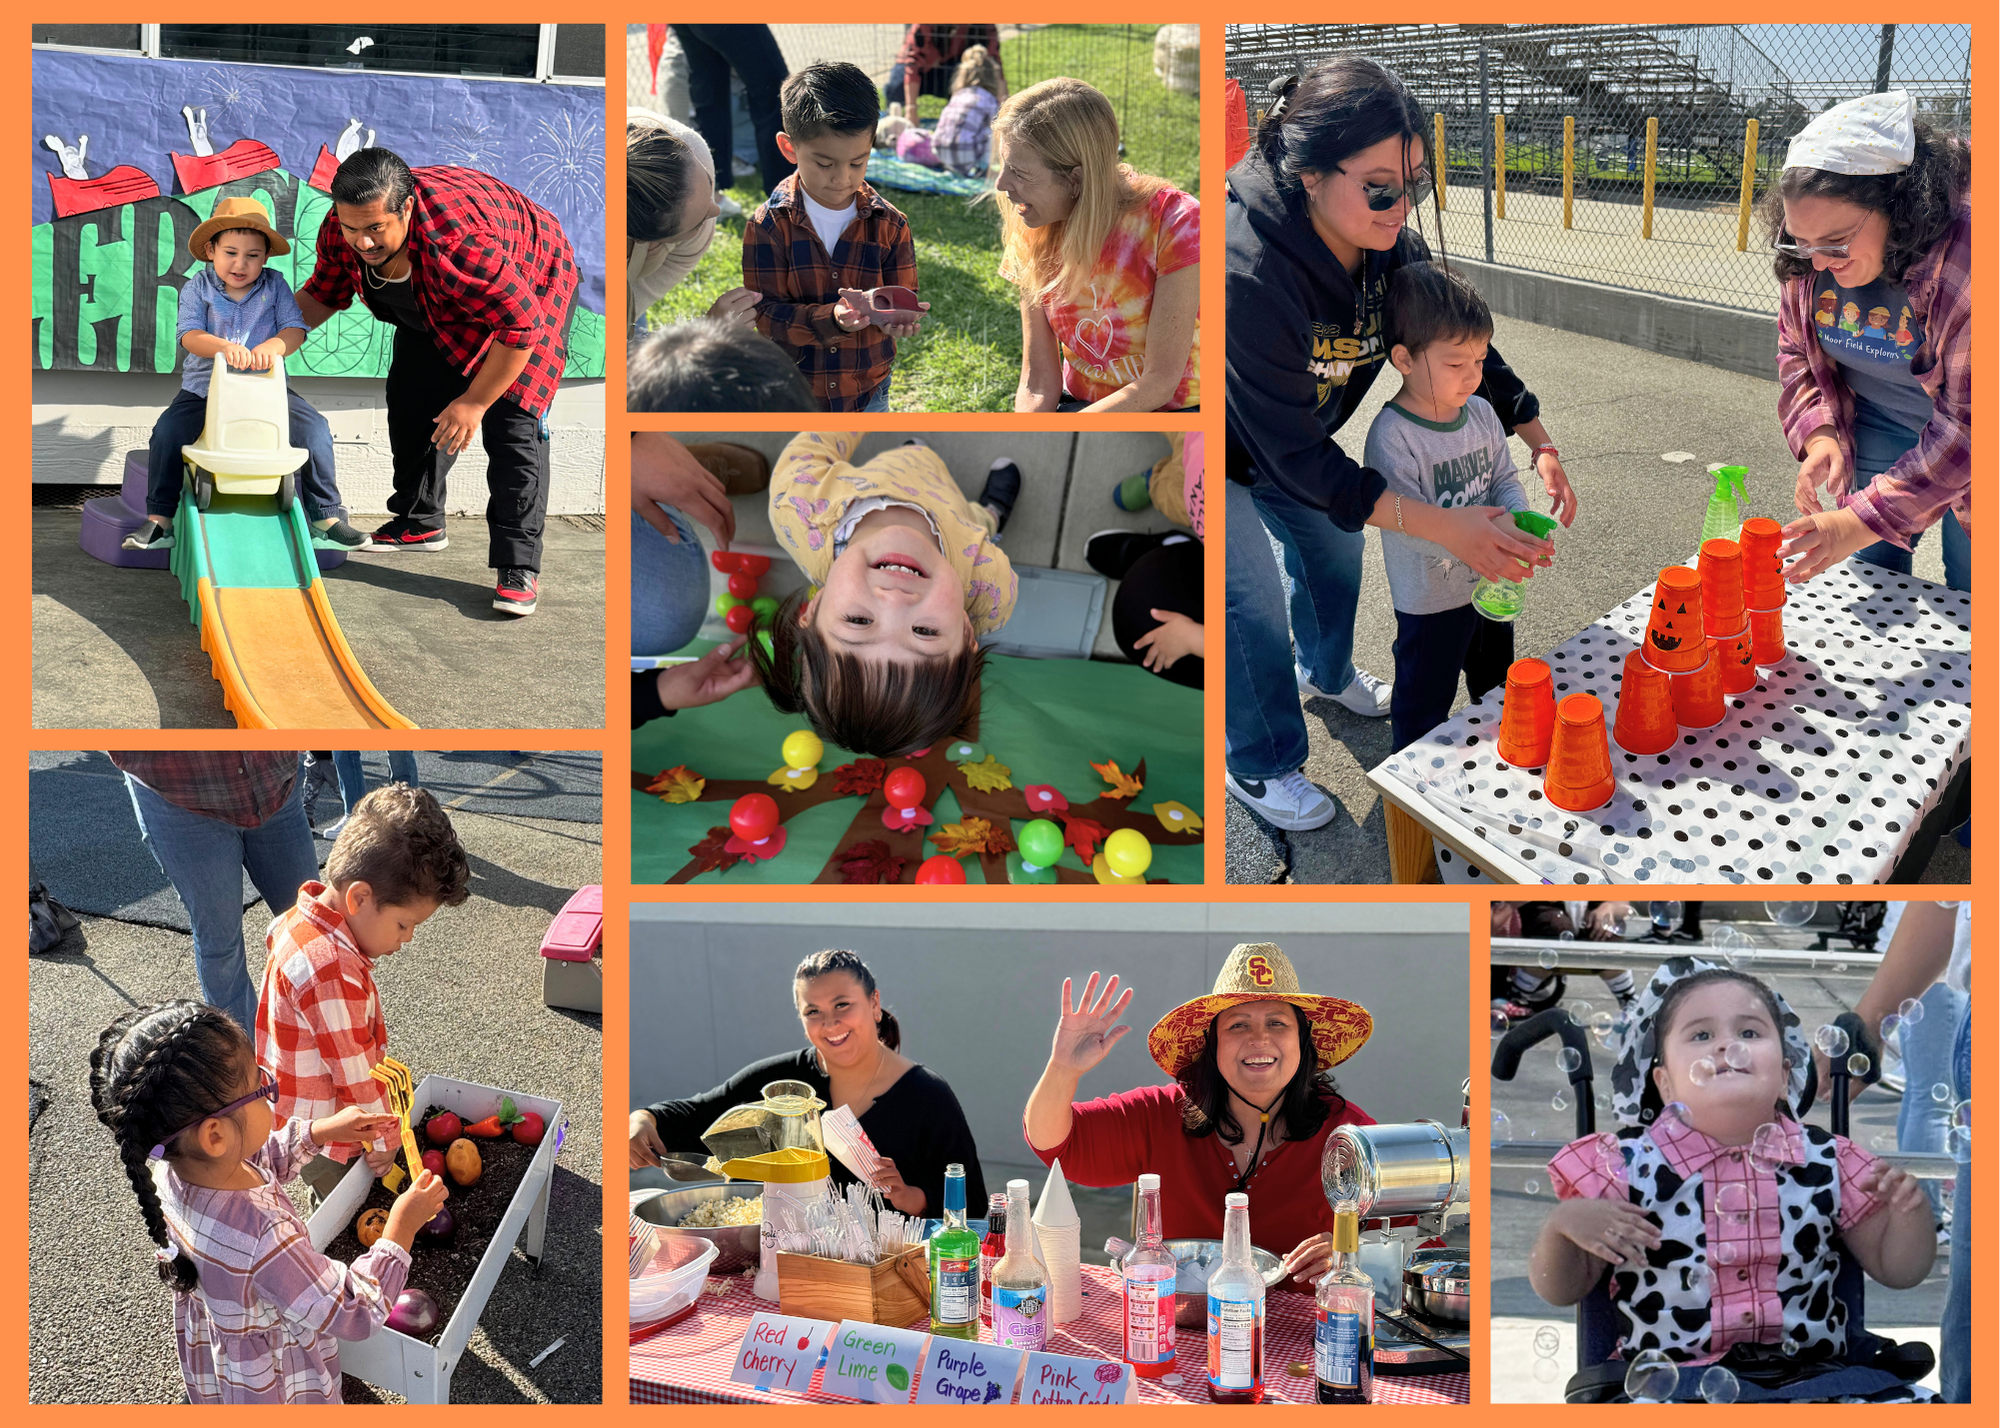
(851, 1060)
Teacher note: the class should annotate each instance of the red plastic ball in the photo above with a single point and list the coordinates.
(942, 869)
(726, 561)
(743, 586)
(740, 618)
(904, 788)
(754, 566)
(753, 817)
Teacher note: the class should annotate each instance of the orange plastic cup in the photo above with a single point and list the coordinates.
(1528, 715)
(1579, 777)
(1674, 639)
(1767, 636)
(1698, 702)
(1721, 567)
(1646, 722)
(1763, 571)
(1737, 651)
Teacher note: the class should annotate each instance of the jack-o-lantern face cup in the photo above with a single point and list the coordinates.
(1579, 778)
(1698, 701)
(1767, 636)
(1721, 567)
(1675, 641)
(1646, 723)
(1763, 570)
(1528, 717)
(1737, 651)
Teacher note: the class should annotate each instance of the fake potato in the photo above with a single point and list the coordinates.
(370, 1227)
(462, 1162)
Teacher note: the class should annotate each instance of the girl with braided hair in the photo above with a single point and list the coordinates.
(257, 1310)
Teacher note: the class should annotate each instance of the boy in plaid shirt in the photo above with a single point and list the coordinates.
(319, 1022)
(824, 230)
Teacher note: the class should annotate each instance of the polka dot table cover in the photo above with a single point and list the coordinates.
(1820, 773)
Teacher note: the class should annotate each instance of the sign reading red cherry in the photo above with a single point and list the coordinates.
(739, 619)
(753, 817)
(939, 870)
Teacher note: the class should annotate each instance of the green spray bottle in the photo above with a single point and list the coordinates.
(1726, 504)
(1502, 599)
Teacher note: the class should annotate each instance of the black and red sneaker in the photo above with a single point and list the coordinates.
(400, 534)
(516, 591)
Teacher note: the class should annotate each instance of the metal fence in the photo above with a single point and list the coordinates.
(1152, 87)
(1617, 153)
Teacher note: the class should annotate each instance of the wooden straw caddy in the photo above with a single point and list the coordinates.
(895, 1291)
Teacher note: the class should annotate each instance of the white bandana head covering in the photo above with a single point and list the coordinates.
(1637, 1049)
(1874, 134)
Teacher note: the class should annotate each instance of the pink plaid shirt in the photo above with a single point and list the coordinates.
(263, 1324)
(1743, 1297)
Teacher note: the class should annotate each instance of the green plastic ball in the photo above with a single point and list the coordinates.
(1041, 843)
(726, 602)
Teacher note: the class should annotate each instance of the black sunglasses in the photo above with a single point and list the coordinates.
(1382, 197)
(267, 1088)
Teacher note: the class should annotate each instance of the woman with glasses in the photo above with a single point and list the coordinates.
(1873, 215)
(1315, 225)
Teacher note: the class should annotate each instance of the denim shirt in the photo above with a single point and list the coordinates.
(206, 306)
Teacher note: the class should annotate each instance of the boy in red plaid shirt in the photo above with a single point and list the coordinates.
(824, 230)
(319, 1021)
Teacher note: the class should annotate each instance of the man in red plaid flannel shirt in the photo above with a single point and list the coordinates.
(480, 285)
(320, 1028)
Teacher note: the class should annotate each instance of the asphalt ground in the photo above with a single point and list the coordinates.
(1519, 1201)
(463, 1000)
(1614, 411)
(114, 648)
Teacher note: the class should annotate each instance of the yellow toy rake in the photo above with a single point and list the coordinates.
(399, 1089)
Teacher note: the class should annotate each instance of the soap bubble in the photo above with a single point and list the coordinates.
(1791, 1349)
(1858, 1064)
(1696, 1279)
(1790, 914)
(1503, 1129)
(1565, 936)
(1579, 1012)
(1568, 1059)
(1666, 916)
(1719, 1385)
(1671, 1112)
(1941, 1093)
(1831, 1040)
(1732, 1200)
(1547, 958)
(1499, 1022)
(1736, 1056)
(1545, 1371)
(1769, 1147)
(1910, 1010)
(1723, 1252)
(1959, 977)
(1891, 1028)
(1959, 1143)
(1558, 1103)
(1882, 1142)
(1548, 1341)
(1726, 942)
(1651, 1378)
(1601, 1023)
(1952, 905)
(1611, 1155)
(1533, 1187)
(1839, 967)
(1702, 1072)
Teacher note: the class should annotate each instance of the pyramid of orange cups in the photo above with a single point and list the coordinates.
(1708, 630)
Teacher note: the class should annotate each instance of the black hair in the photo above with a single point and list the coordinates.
(829, 96)
(1921, 202)
(1309, 1098)
(881, 707)
(370, 174)
(822, 964)
(1318, 120)
(399, 841)
(220, 234)
(659, 170)
(1430, 303)
(157, 1071)
(712, 364)
(1663, 1025)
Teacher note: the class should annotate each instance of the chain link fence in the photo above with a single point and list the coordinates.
(1151, 80)
(1651, 124)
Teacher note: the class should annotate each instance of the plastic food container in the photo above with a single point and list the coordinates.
(672, 1282)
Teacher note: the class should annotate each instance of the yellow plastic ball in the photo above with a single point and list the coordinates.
(1128, 853)
(803, 749)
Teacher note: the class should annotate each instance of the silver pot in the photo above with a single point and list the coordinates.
(1191, 1284)
(1392, 1170)
(736, 1246)
(1437, 1286)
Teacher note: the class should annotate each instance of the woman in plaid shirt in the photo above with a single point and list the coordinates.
(258, 1312)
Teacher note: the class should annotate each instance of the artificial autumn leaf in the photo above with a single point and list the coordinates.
(1083, 835)
(679, 784)
(863, 776)
(710, 855)
(974, 835)
(989, 775)
(1123, 785)
(871, 862)
(1044, 798)
(1177, 817)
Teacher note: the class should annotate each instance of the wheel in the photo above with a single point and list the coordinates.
(204, 488)
(287, 491)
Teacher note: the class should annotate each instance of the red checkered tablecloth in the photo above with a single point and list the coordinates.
(689, 1362)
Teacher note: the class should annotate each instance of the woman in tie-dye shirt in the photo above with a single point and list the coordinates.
(1108, 261)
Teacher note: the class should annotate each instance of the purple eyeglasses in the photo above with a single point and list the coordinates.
(267, 1089)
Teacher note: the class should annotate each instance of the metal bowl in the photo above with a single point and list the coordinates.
(1191, 1288)
(736, 1246)
(1437, 1286)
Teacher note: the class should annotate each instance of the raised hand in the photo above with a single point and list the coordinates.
(1086, 1032)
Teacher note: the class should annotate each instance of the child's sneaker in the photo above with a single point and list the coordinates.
(1293, 802)
(1003, 489)
(150, 536)
(400, 534)
(1112, 553)
(1364, 695)
(341, 536)
(1134, 493)
(516, 591)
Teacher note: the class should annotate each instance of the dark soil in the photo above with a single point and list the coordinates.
(443, 1271)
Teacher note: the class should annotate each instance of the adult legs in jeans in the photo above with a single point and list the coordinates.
(669, 586)
(752, 51)
(347, 764)
(1878, 445)
(1955, 1333)
(1323, 577)
(1923, 1123)
(179, 425)
(1264, 727)
(205, 859)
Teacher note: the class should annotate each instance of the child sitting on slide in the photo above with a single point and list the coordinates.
(883, 659)
(245, 312)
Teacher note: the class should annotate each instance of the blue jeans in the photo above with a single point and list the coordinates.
(878, 400)
(1955, 1341)
(1878, 445)
(205, 859)
(1922, 1124)
(347, 765)
(181, 424)
(669, 586)
(1309, 608)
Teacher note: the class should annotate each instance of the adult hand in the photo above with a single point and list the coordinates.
(664, 474)
(907, 1198)
(644, 1135)
(714, 677)
(1308, 1263)
(1822, 539)
(1616, 1231)
(1085, 1034)
(1607, 921)
(737, 305)
(1563, 504)
(456, 425)
(1486, 538)
(1175, 636)
(1823, 466)
(239, 356)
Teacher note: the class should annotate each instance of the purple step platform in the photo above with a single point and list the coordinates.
(107, 520)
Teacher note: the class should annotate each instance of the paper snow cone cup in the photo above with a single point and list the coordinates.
(1579, 776)
(1767, 636)
(1763, 571)
(1739, 660)
(1698, 700)
(1674, 638)
(1528, 715)
(1646, 722)
(1721, 569)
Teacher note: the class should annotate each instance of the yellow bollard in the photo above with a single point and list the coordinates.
(1652, 152)
(1500, 165)
(1440, 160)
(1749, 185)
(1569, 164)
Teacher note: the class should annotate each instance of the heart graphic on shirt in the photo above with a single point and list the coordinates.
(1094, 336)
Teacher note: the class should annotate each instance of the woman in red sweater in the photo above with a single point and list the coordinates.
(1252, 1105)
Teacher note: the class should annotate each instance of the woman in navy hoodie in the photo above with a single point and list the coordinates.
(1315, 228)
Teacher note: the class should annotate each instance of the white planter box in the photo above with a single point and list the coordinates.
(421, 1372)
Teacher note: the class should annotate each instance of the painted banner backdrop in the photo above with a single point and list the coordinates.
(131, 155)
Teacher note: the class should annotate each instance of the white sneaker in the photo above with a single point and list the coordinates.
(729, 206)
(1293, 802)
(1364, 695)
